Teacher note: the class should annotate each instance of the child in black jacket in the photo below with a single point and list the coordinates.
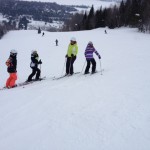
(34, 65)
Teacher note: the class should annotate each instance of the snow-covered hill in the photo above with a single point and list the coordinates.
(99, 112)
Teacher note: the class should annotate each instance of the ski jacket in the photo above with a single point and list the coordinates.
(12, 64)
(72, 49)
(34, 60)
(89, 52)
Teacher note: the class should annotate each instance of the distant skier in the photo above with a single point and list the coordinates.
(34, 65)
(89, 57)
(56, 42)
(12, 69)
(105, 32)
(43, 34)
(71, 56)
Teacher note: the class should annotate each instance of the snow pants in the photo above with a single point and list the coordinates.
(11, 80)
(89, 62)
(69, 65)
(36, 71)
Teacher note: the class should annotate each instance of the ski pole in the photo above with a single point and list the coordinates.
(83, 66)
(70, 65)
(63, 67)
(40, 70)
(100, 66)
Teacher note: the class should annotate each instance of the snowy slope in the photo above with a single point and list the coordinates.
(99, 112)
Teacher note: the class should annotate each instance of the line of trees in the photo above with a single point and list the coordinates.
(40, 11)
(131, 13)
(6, 26)
(18, 13)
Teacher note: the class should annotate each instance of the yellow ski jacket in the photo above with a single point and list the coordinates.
(72, 49)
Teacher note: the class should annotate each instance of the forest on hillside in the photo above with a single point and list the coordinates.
(19, 13)
(130, 13)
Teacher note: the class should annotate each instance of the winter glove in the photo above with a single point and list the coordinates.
(99, 57)
(72, 55)
(40, 62)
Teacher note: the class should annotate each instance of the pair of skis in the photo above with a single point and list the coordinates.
(22, 84)
(53, 78)
(57, 78)
(34, 80)
(64, 76)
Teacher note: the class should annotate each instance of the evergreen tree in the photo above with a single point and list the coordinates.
(90, 19)
(122, 14)
(39, 30)
(99, 20)
(145, 16)
(135, 13)
(23, 23)
(83, 22)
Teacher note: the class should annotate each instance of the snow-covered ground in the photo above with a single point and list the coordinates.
(98, 112)
(45, 26)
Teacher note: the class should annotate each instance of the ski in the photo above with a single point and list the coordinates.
(64, 76)
(94, 73)
(33, 81)
(57, 78)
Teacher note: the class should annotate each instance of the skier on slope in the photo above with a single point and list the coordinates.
(11, 69)
(71, 56)
(34, 65)
(89, 57)
(56, 41)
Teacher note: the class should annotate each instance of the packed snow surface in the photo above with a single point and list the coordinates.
(93, 112)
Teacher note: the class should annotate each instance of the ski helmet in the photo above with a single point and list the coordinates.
(90, 43)
(73, 39)
(13, 52)
(34, 52)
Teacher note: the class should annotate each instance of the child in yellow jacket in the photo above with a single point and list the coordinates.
(71, 56)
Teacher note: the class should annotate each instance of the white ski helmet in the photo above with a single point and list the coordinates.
(34, 52)
(73, 39)
(13, 51)
(90, 42)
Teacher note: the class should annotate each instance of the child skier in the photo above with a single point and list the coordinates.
(71, 56)
(89, 57)
(34, 65)
(11, 69)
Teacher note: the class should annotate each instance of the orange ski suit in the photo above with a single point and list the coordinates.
(11, 80)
